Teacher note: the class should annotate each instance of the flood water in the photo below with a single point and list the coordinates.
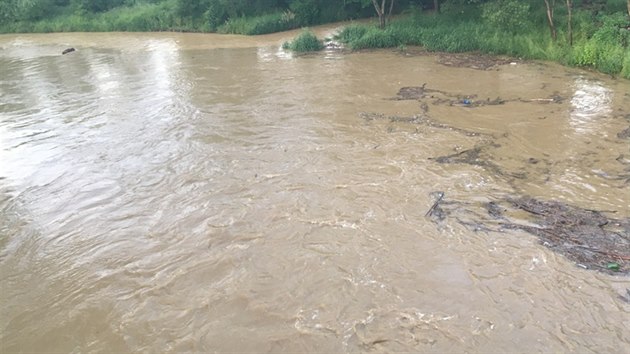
(203, 193)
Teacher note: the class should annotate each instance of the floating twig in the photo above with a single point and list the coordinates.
(440, 196)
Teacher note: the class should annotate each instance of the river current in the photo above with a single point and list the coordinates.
(172, 192)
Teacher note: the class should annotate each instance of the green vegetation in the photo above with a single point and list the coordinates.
(141, 17)
(304, 42)
(275, 22)
(224, 16)
(601, 39)
(506, 15)
(585, 33)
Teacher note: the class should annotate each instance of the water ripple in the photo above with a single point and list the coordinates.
(157, 195)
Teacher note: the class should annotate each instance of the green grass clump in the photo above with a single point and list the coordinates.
(351, 33)
(304, 42)
(376, 38)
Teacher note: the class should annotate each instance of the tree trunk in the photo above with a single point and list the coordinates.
(552, 27)
(436, 6)
(391, 8)
(383, 17)
(570, 20)
(628, 7)
(380, 12)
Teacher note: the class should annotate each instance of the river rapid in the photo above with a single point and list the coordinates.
(202, 193)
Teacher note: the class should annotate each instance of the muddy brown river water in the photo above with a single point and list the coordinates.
(202, 193)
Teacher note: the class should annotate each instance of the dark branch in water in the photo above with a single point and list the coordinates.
(440, 196)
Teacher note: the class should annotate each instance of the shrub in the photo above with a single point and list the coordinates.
(214, 16)
(611, 31)
(461, 9)
(142, 17)
(306, 11)
(275, 22)
(606, 50)
(610, 60)
(507, 15)
(584, 55)
(98, 5)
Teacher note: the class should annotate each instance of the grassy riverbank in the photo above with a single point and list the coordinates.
(250, 17)
(600, 36)
(151, 18)
(599, 42)
(144, 17)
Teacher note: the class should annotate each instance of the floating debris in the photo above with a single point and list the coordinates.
(588, 237)
(585, 236)
(423, 119)
(473, 61)
(439, 97)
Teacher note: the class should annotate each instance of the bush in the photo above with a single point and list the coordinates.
(583, 25)
(142, 17)
(611, 31)
(462, 9)
(304, 42)
(610, 60)
(306, 11)
(616, 6)
(98, 5)
(214, 16)
(276, 22)
(607, 49)
(507, 15)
